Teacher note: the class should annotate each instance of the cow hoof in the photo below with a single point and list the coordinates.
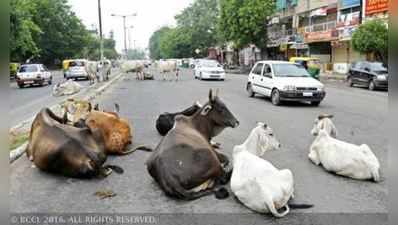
(216, 145)
(221, 193)
(33, 166)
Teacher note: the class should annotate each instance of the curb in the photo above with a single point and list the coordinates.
(20, 150)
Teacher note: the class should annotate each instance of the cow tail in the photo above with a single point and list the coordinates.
(300, 206)
(117, 169)
(141, 147)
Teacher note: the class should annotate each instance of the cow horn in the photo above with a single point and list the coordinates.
(210, 95)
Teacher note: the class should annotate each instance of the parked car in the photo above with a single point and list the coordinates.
(284, 81)
(373, 75)
(311, 64)
(76, 70)
(209, 69)
(33, 74)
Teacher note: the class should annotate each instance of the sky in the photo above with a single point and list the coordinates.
(151, 15)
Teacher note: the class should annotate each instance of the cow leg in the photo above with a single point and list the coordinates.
(222, 158)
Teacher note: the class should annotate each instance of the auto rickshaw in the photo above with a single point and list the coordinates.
(14, 69)
(65, 65)
(311, 64)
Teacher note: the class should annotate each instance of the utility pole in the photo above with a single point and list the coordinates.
(124, 29)
(100, 31)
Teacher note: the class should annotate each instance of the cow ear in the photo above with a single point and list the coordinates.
(117, 108)
(206, 110)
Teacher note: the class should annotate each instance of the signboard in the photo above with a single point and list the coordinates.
(319, 12)
(321, 36)
(375, 6)
(349, 3)
(349, 19)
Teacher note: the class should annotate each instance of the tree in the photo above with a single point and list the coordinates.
(154, 43)
(371, 37)
(134, 54)
(22, 30)
(176, 43)
(244, 22)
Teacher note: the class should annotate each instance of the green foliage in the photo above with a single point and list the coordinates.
(154, 43)
(134, 54)
(22, 30)
(49, 31)
(244, 22)
(372, 38)
(197, 28)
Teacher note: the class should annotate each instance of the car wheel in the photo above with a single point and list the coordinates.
(21, 85)
(315, 103)
(275, 97)
(372, 85)
(349, 82)
(250, 91)
(50, 81)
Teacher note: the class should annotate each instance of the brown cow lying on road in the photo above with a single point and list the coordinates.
(67, 150)
(185, 165)
(115, 130)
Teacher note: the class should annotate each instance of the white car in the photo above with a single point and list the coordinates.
(33, 74)
(209, 69)
(284, 81)
(76, 70)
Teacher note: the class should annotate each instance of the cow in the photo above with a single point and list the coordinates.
(59, 148)
(92, 71)
(168, 66)
(165, 121)
(134, 66)
(116, 131)
(255, 181)
(323, 121)
(345, 159)
(68, 87)
(184, 164)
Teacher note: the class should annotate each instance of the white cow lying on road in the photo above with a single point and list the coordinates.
(255, 181)
(68, 87)
(343, 158)
(324, 122)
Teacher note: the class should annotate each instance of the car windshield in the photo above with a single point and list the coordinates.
(378, 67)
(76, 63)
(289, 70)
(28, 69)
(209, 63)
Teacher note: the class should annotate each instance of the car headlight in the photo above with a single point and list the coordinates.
(289, 88)
(381, 77)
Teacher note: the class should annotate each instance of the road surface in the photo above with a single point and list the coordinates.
(360, 117)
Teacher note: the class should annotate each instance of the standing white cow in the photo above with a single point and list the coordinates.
(92, 70)
(343, 158)
(255, 181)
(134, 66)
(167, 67)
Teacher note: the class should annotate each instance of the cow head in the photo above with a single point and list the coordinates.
(218, 112)
(79, 109)
(264, 139)
(323, 121)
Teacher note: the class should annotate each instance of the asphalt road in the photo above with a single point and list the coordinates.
(360, 117)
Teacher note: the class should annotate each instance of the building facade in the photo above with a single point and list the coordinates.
(320, 28)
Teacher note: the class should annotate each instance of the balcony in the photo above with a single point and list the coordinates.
(320, 27)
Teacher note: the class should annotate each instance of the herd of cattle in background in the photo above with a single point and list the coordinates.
(97, 71)
(187, 164)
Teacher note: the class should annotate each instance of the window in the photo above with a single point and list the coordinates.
(257, 70)
(28, 69)
(289, 70)
(267, 70)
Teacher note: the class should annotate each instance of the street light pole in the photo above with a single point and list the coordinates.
(100, 30)
(124, 29)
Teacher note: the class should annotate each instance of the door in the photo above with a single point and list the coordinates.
(363, 73)
(255, 76)
(266, 80)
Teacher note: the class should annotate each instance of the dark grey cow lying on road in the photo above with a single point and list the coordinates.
(184, 164)
(165, 121)
(59, 148)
